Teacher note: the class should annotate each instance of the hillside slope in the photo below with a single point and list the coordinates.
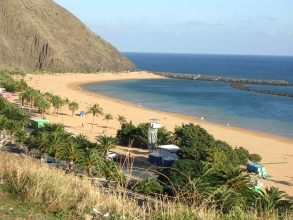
(42, 34)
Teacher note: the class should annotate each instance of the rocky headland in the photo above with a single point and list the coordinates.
(40, 34)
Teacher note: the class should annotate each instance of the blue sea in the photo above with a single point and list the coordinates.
(216, 102)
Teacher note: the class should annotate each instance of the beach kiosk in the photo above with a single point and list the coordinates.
(38, 122)
(6, 95)
(168, 151)
(155, 158)
(82, 114)
(168, 161)
(256, 168)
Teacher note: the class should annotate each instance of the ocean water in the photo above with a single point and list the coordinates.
(216, 102)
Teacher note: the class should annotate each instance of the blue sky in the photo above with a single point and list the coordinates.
(256, 27)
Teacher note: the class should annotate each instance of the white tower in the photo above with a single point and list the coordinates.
(152, 135)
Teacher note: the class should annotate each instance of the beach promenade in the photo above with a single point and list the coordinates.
(276, 152)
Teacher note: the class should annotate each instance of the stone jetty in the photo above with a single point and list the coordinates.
(236, 83)
(250, 89)
(224, 79)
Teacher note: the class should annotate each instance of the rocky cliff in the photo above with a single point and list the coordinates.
(42, 34)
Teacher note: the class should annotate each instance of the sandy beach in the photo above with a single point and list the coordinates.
(276, 152)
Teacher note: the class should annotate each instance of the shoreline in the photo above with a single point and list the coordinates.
(212, 119)
(273, 149)
(183, 116)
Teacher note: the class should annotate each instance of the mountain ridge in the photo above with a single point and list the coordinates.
(41, 34)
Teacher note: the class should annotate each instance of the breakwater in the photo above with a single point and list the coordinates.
(224, 79)
(250, 89)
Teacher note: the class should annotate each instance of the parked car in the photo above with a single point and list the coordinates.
(52, 162)
(120, 158)
(111, 155)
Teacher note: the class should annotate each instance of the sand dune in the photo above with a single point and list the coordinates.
(277, 152)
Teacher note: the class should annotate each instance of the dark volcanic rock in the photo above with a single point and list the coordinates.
(225, 79)
(250, 89)
(42, 34)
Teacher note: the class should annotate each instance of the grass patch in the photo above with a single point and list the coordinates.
(30, 189)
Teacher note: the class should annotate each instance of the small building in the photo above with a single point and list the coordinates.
(155, 158)
(168, 151)
(38, 122)
(6, 95)
(82, 113)
(256, 168)
(168, 161)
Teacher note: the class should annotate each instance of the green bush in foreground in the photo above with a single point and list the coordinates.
(35, 184)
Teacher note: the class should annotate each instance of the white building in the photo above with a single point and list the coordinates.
(168, 151)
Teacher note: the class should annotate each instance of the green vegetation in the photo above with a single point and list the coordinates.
(129, 134)
(205, 183)
(254, 158)
(147, 186)
(73, 106)
(95, 110)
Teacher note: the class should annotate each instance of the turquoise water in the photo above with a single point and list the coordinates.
(217, 102)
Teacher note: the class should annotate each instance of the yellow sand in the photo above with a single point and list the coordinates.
(276, 152)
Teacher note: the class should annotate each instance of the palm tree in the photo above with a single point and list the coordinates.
(43, 106)
(73, 106)
(111, 172)
(56, 127)
(21, 137)
(105, 144)
(147, 186)
(4, 104)
(88, 160)
(66, 101)
(3, 124)
(12, 126)
(82, 140)
(25, 96)
(271, 201)
(39, 142)
(57, 103)
(31, 96)
(21, 85)
(23, 118)
(49, 97)
(55, 142)
(234, 178)
(108, 117)
(121, 119)
(70, 152)
(95, 110)
(22, 97)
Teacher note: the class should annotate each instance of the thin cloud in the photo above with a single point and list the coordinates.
(272, 32)
(196, 23)
(125, 24)
(269, 18)
(201, 23)
(248, 21)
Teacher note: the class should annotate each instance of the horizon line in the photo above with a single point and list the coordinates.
(279, 55)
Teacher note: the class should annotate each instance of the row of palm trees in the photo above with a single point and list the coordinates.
(55, 141)
(43, 103)
(77, 151)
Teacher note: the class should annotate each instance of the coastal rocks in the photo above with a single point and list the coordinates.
(225, 79)
(250, 89)
(237, 83)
